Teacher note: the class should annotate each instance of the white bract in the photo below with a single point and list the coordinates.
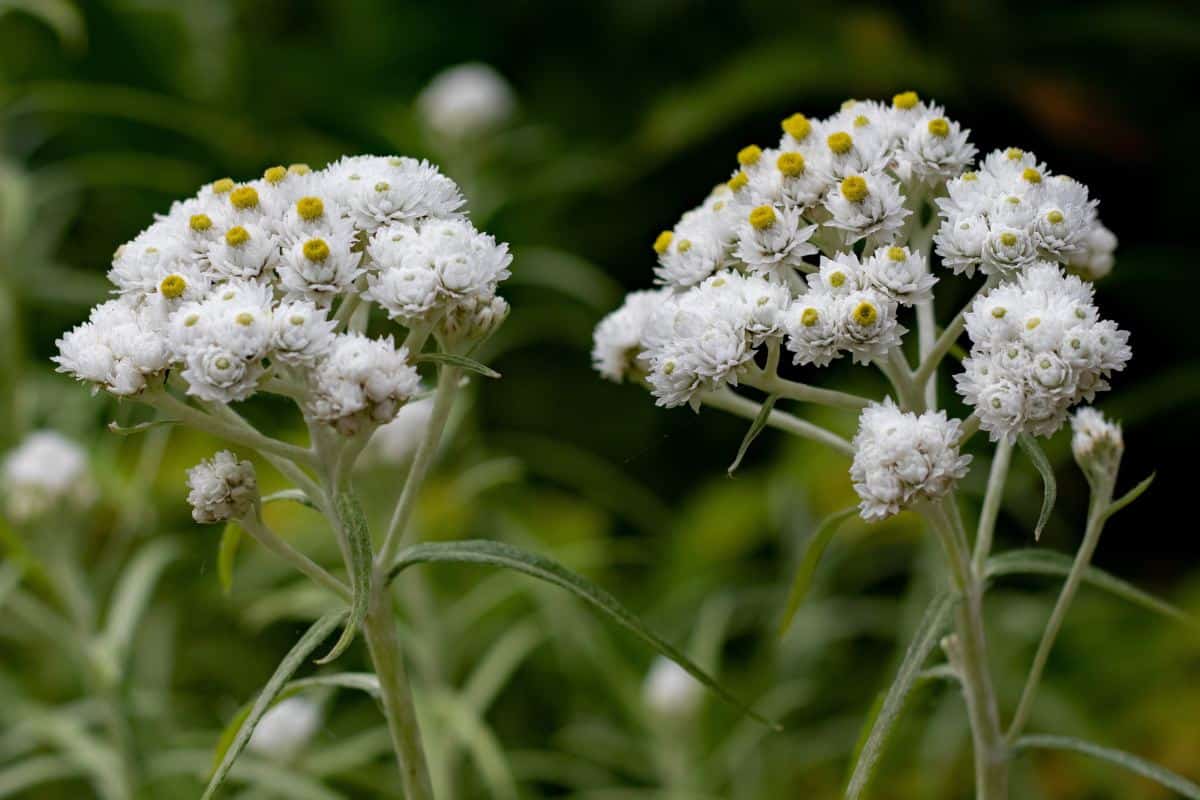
(44, 472)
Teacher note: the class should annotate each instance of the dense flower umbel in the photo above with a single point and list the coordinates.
(250, 282)
(222, 488)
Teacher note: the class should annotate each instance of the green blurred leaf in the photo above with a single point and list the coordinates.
(141, 427)
(235, 737)
(567, 273)
(499, 554)
(924, 641)
(1050, 486)
(27, 773)
(1139, 766)
(756, 427)
(1047, 562)
(359, 540)
(468, 727)
(61, 16)
(462, 362)
(808, 564)
(133, 591)
(1130, 496)
(231, 537)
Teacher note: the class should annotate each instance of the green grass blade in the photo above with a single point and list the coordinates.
(359, 539)
(756, 427)
(1042, 562)
(1120, 758)
(1130, 496)
(499, 554)
(133, 592)
(1039, 459)
(808, 564)
(923, 643)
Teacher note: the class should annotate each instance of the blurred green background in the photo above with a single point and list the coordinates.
(627, 113)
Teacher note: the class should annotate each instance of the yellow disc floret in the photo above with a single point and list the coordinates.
(237, 236)
(748, 156)
(1055, 217)
(837, 279)
(172, 286)
(999, 311)
(762, 217)
(1031, 175)
(861, 121)
(854, 188)
(939, 127)
(896, 253)
(840, 142)
(316, 250)
(809, 317)
(797, 126)
(905, 100)
(310, 208)
(382, 186)
(1032, 323)
(1008, 239)
(244, 319)
(299, 169)
(222, 186)
(1014, 154)
(970, 175)
(738, 181)
(790, 164)
(275, 174)
(663, 241)
(200, 222)
(244, 197)
(865, 313)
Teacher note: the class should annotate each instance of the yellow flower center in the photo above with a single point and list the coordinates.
(244, 197)
(854, 188)
(837, 279)
(200, 222)
(382, 186)
(316, 250)
(1031, 175)
(237, 236)
(905, 100)
(738, 181)
(797, 126)
(222, 363)
(861, 121)
(865, 313)
(684, 245)
(762, 217)
(939, 127)
(1008, 239)
(970, 176)
(299, 169)
(999, 311)
(190, 320)
(222, 186)
(668, 368)
(310, 208)
(172, 286)
(244, 319)
(1014, 154)
(663, 242)
(1032, 323)
(748, 156)
(809, 317)
(275, 174)
(897, 253)
(840, 142)
(790, 164)
(1055, 217)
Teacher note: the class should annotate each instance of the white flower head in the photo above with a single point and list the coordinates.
(222, 488)
(934, 149)
(900, 458)
(867, 324)
(118, 349)
(774, 240)
(286, 728)
(300, 333)
(670, 692)
(380, 191)
(466, 101)
(814, 329)
(320, 268)
(1097, 444)
(360, 381)
(617, 340)
(244, 251)
(899, 273)
(45, 472)
(866, 204)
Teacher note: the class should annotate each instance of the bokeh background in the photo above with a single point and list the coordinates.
(626, 114)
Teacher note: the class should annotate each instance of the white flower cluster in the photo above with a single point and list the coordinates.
(901, 457)
(255, 280)
(1038, 347)
(222, 488)
(43, 473)
(1013, 212)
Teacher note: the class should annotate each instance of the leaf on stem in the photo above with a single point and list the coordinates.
(141, 427)
(1130, 496)
(133, 591)
(499, 554)
(808, 564)
(924, 641)
(1140, 766)
(231, 537)
(359, 540)
(760, 422)
(1038, 457)
(1043, 562)
(235, 737)
(462, 362)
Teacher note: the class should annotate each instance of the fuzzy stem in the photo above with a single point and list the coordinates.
(727, 400)
(802, 392)
(253, 525)
(991, 503)
(1101, 499)
(932, 357)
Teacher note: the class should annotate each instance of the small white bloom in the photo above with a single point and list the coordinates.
(466, 100)
(935, 148)
(286, 728)
(117, 349)
(900, 274)
(222, 488)
(616, 342)
(45, 472)
(866, 204)
(867, 325)
(670, 692)
(244, 251)
(300, 333)
(318, 269)
(1095, 259)
(380, 191)
(361, 380)
(814, 329)
(774, 241)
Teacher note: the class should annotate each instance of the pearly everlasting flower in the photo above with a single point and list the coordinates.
(361, 381)
(900, 458)
(617, 341)
(670, 692)
(1094, 259)
(935, 148)
(899, 273)
(320, 268)
(1097, 444)
(1038, 348)
(466, 101)
(381, 191)
(286, 728)
(867, 325)
(866, 205)
(300, 333)
(814, 329)
(774, 240)
(45, 472)
(222, 488)
(118, 349)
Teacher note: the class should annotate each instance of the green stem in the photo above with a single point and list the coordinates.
(727, 400)
(270, 540)
(244, 435)
(802, 392)
(991, 503)
(1101, 499)
(932, 356)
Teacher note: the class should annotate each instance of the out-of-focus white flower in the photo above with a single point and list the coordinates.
(670, 692)
(286, 728)
(466, 101)
(222, 488)
(900, 457)
(45, 472)
(396, 442)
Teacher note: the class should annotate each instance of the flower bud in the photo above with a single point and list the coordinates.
(221, 489)
(1097, 444)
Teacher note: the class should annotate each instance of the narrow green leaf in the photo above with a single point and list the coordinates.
(1038, 457)
(461, 362)
(756, 427)
(1042, 562)
(133, 591)
(231, 537)
(295, 495)
(808, 564)
(924, 641)
(499, 554)
(10, 578)
(1139, 766)
(359, 539)
(468, 727)
(236, 736)
(30, 772)
(1130, 496)
(141, 427)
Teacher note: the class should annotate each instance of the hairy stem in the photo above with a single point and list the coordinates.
(991, 503)
(1101, 499)
(802, 392)
(245, 435)
(727, 400)
(270, 540)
